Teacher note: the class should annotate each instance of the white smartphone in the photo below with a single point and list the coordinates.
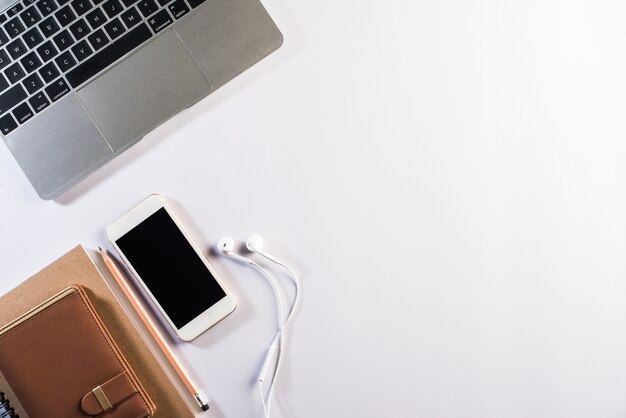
(171, 269)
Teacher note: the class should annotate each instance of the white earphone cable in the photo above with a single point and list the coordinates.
(279, 299)
(295, 304)
(278, 339)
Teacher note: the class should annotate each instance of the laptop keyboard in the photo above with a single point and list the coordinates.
(48, 48)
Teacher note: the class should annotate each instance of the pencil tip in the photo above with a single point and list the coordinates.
(100, 248)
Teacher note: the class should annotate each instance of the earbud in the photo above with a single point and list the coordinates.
(255, 245)
(226, 246)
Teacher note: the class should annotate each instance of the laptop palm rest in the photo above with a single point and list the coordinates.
(144, 90)
(75, 150)
(226, 37)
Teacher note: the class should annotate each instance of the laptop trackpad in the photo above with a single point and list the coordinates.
(144, 90)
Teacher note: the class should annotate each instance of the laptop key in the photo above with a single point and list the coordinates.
(14, 73)
(178, 9)
(15, 10)
(109, 55)
(96, 18)
(112, 8)
(22, 113)
(3, 18)
(65, 61)
(79, 29)
(14, 27)
(65, 16)
(82, 6)
(7, 124)
(4, 84)
(98, 39)
(47, 51)
(195, 3)
(147, 7)
(16, 48)
(49, 27)
(49, 72)
(82, 50)
(4, 59)
(31, 62)
(131, 17)
(160, 21)
(63, 40)
(11, 97)
(57, 89)
(33, 38)
(39, 102)
(30, 16)
(129, 3)
(46, 7)
(114, 28)
(33, 83)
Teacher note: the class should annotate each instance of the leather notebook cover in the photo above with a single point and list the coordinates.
(151, 367)
(61, 361)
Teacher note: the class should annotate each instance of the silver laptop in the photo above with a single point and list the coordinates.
(83, 80)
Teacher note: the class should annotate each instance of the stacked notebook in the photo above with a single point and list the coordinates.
(68, 350)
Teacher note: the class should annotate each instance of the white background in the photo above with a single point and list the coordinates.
(448, 177)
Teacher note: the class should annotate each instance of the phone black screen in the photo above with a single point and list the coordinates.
(170, 268)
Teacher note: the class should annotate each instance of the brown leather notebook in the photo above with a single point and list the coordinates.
(60, 361)
(142, 353)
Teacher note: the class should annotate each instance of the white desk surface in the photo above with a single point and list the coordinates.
(449, 179)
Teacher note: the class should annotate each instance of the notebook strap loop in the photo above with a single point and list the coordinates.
(102, 398)
(108, 396)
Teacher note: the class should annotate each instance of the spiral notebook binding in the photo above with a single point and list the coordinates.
(6, 410)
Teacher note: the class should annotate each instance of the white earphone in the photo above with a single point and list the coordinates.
(226, 246)
(254, 244)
